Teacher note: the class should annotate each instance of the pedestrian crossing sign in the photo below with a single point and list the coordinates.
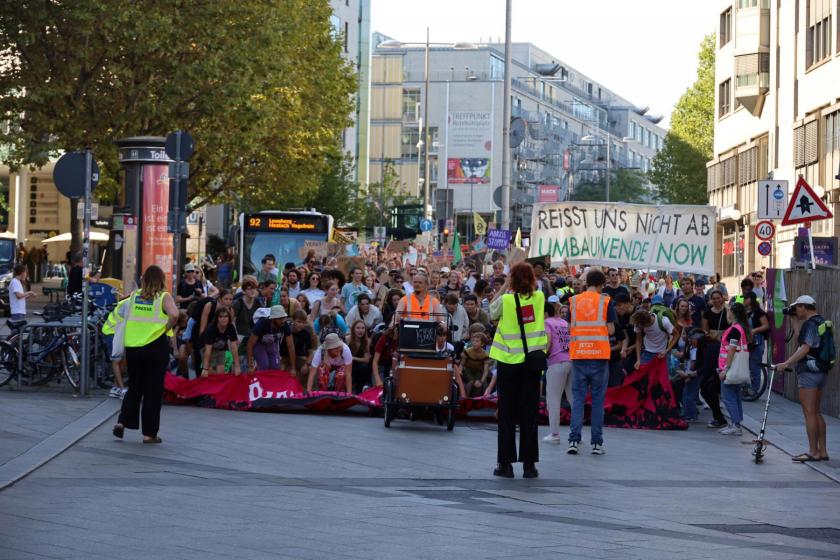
(805, 206)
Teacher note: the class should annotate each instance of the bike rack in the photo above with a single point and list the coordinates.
(71, 323)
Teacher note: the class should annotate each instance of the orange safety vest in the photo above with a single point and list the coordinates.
(414, 310)
(590, 338)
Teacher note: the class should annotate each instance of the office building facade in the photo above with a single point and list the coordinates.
(567, 118)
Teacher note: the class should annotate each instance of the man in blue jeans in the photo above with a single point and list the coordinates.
(593, 320)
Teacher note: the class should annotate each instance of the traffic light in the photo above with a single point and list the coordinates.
(446, 231)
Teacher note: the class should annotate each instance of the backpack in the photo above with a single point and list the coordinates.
(659, 311)
(328, 330)
(826, 354)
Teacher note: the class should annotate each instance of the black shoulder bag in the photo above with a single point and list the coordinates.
(537, 360)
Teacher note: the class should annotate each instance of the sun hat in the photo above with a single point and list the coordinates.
(332, 341)
(189, 267)
(277, 312)
(804, 300)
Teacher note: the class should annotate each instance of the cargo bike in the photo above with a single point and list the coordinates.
(422, 377)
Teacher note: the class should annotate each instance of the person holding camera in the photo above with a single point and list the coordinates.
(812, 361)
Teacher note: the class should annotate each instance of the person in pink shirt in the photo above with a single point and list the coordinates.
(558, 377)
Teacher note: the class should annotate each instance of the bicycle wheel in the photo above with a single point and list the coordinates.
(8, 362)
(70, 366)
(747, 394)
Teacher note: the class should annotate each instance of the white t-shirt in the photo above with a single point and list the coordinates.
(345, 359)
(656, 340)
(17, 305)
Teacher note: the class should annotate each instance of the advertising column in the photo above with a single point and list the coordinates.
(146, 189)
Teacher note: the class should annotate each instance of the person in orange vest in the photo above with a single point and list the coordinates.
(419, 304)
(593, 321)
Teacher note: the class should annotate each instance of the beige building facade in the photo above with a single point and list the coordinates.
(777, 115)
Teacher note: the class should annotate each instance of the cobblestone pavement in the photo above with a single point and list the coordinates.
(246, 485)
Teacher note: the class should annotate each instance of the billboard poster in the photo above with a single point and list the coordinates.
(548, 193)
(825, 250)
(470, 144)
(460, 171)
(156, 240)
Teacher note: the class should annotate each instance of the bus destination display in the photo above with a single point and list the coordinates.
(286, 223)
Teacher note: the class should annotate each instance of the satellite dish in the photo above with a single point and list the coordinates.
(517, 132)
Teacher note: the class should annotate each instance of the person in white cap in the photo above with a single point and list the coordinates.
(263, 349)
(811, 373)
(189, 288)
(333, 364)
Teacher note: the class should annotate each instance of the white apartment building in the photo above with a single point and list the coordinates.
(777, 114)
(351, 20)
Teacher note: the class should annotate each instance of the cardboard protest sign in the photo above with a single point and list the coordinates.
(318, 247)
(397, 247)
(346, 264)
(674, 237)
(498, 239)
(517, 256)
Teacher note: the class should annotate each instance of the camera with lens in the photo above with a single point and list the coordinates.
(790, 310)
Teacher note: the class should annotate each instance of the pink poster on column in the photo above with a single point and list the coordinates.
(157, 242)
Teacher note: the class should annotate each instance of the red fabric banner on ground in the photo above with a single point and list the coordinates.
(645, 399)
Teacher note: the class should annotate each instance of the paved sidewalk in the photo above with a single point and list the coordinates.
(40, 423)
(786, 430)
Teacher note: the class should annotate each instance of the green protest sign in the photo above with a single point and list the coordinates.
(674, 238)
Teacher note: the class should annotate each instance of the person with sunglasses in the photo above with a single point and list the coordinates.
(189, 288)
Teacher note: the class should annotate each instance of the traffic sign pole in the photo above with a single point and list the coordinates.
(811, 247)
(176, 235)
(83, 374)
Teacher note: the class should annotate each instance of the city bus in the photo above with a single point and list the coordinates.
(279, 233)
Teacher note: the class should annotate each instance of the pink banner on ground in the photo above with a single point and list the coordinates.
(645, 399)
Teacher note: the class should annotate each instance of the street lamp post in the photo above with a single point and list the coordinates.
(506, 171)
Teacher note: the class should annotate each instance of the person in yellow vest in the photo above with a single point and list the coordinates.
(517, 382)
(419, 304)
(592, 322)
(115, 317)
(150, 314)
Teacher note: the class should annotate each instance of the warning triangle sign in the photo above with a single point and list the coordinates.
(805, 206)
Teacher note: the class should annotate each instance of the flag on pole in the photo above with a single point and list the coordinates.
(456, 248)
(479, 224)
(517, 240)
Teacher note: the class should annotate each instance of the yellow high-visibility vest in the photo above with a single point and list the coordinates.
(507, 343)
(114, 318)
(146, 321)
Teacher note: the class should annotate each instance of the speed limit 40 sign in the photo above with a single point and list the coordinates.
(765, 230)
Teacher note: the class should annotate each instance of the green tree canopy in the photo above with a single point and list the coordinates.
(260, 84)
(626, 185)
(679, 169)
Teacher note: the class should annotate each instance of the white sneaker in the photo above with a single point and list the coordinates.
(573, 448)
(115, 393)
(123, 392)
(552, 438)
(730, 430)
(598, 449)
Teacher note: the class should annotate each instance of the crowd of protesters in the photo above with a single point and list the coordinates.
(337, 331)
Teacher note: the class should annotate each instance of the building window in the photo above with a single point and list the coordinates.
(346, 35)
(725, 27)
(497, 68)
(632, 129)
(410, 104)
(408, 140)
(818, 36)
(724, 98)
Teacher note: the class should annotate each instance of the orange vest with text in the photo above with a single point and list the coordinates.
(590, 339)
(414, 310)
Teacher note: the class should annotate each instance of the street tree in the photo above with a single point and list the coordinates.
(260, 84)
(679, 170)
(383, 196)
(626, 185)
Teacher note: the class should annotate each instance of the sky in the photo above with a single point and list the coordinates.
(644, 50)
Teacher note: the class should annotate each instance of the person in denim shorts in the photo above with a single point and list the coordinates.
(811, 377)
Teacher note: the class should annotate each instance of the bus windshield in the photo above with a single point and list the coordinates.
(282, 234)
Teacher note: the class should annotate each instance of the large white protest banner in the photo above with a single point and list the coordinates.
(674, 238)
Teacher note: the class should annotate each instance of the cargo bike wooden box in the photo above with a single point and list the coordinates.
(422, 377)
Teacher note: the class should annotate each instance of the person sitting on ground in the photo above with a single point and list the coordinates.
(324, 305)
(458, 320)
(263, 349)
(268, 270)
(332, 364)
(305, 306)
(359, 344)
(475, 364)
(217, 340)
(266, 293)
(364, 311)
(305, 342)
(313, 289)
(383, 354)
(475, 314)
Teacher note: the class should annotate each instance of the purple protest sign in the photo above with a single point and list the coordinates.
(498, 239)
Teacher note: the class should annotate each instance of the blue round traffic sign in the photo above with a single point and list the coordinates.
(778, 194)
(764, 248)
(426, 224)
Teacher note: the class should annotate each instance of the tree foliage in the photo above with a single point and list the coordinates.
(626, 185)
(338, 193)
(679, 169)
(260, 84)
(383, 196)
